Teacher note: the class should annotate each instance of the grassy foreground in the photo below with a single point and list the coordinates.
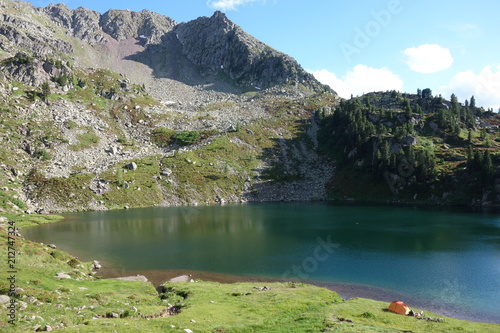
(84, 303)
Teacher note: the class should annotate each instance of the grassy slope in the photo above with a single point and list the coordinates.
(205, 306)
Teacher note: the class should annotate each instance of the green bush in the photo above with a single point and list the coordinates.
(43, 154)
(187, 137)
(162, 137)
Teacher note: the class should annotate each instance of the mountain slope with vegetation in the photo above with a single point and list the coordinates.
(159, 119)
(415, 149)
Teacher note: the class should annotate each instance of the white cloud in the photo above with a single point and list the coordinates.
(428, 58)
(361, 79)
(226, 5)
(485, 87)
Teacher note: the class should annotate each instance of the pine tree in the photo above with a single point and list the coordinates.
(408, 110)
(487, 170)
(453, 99)
(470, 157)
(45, 90)
(472, 102)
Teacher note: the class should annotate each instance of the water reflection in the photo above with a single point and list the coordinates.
(429, 248)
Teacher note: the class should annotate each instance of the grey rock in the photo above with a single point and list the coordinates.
(63, 276)
(167, 172)
(140, 278)
(410, 140)
(218, 45)
(22, 305)
(182, 278)
(52, 246)
(96, 265)
(4, 299)
(32, 300)
(144, 25)
(131, 166)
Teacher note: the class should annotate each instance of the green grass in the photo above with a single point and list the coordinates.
(62, 192)
(143, 188)
(220, 168)
(86, 140)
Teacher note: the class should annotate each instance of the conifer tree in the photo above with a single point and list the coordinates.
(45, 90)
(472, 102)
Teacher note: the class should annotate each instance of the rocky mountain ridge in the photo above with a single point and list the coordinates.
(212, 46)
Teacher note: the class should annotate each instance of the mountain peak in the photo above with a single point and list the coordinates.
(214, 47)
(219, 14)
(219, 46)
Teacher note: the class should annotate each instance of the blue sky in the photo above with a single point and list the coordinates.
(450, 46)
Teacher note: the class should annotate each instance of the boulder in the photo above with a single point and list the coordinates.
(96, 265)
(131, 166)
(4, 299)
(139, 278)
(182, 278)
(63, 276)
(167, 172)
(410, 140)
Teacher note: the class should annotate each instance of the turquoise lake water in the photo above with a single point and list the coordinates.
(447, 258)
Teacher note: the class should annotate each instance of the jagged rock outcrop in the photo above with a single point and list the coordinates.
(86, 26)
(19, 31)
(147, 25)
(32, 71)
(217, 45)
(83, 23)
(206, 49)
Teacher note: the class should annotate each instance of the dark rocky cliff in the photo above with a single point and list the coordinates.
(217, 45)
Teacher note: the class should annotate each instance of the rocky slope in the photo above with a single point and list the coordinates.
(125, 91)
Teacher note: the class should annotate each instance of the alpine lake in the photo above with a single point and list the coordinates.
(442, 259)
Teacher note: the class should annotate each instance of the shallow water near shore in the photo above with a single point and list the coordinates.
(443, 260)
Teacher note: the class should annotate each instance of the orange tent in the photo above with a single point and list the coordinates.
(399, 307)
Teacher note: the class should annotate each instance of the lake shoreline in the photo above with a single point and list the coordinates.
(345, 289)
